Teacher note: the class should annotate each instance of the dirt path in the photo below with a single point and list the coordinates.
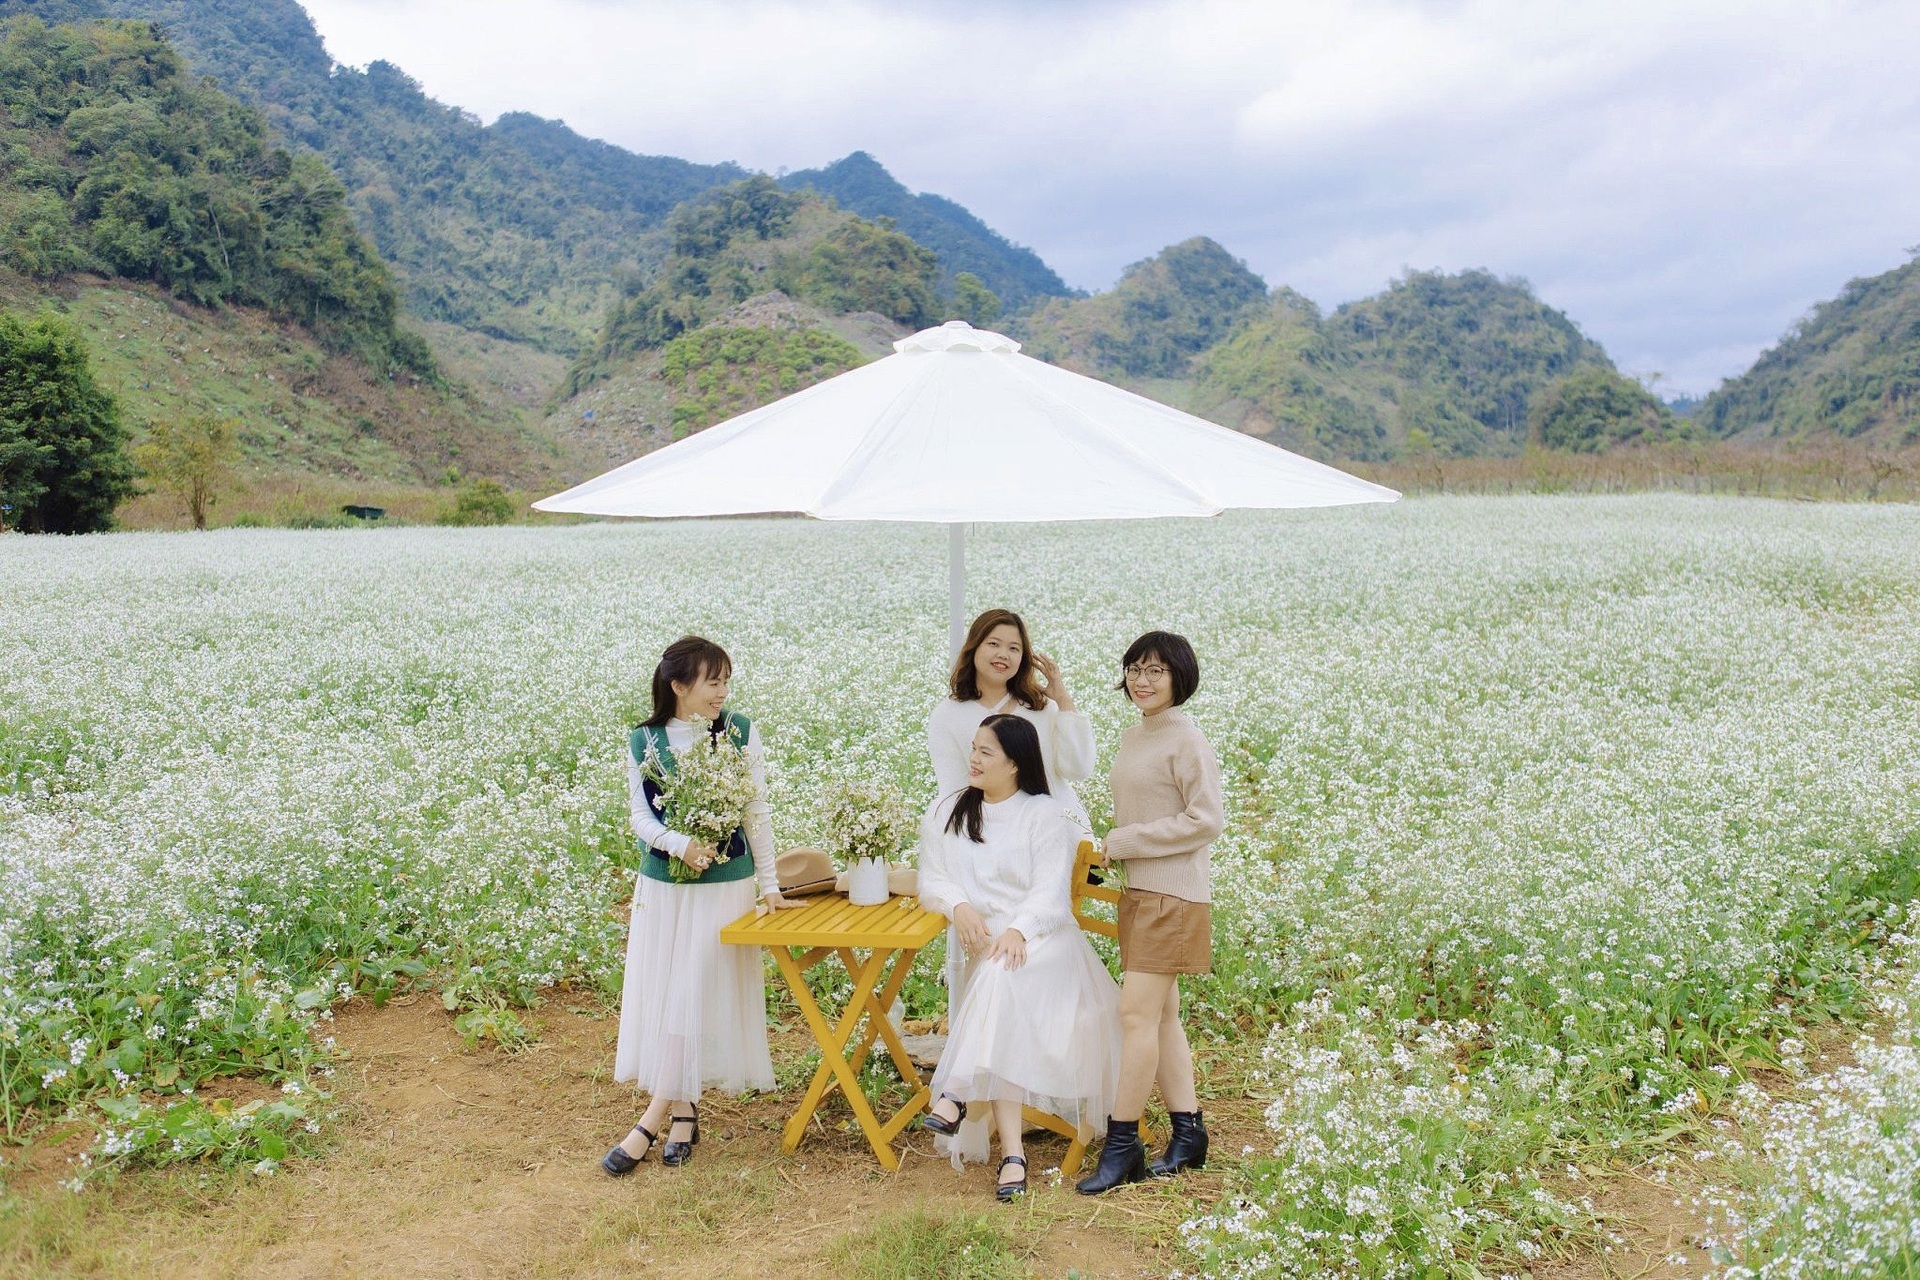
(452, 1162)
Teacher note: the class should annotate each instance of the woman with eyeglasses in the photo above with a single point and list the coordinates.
(1166, 814)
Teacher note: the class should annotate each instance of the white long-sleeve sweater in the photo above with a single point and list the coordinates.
(1066, 746)
(1017, 877)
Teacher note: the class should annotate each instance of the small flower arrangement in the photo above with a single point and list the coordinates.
(704, 793)
(869, 818)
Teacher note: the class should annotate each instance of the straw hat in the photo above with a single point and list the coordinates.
(803, 872)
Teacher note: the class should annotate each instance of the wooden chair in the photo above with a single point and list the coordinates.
(1085, 893)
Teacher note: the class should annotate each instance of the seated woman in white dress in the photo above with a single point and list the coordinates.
(1035, 1019)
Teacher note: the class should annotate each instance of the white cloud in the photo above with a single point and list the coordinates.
(1683, 178)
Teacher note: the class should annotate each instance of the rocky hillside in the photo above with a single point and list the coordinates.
(746, 355)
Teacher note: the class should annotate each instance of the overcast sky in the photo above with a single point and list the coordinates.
(1683, 178)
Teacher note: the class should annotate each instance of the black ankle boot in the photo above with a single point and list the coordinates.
(1122, 1160)
(1186, 1149)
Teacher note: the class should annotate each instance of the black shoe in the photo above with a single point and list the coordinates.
(1186, 1149)
(677, 1153)
(1006, 1191)
(935, 1124)
(1122, 1160)
(619, 1164)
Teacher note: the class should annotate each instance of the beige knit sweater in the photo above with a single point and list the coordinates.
(1166, 806)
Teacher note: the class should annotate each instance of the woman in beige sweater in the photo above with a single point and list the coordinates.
(1166, 814)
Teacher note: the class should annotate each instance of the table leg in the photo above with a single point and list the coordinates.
(834, 1064)
(881, 1024)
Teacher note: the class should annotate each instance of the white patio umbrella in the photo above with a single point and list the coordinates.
(955, 428)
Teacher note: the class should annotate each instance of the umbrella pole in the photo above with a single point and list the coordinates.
(956, 588)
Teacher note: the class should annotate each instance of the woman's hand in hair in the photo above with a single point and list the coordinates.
(1056, 683)
(972, 927)
(1011, 949)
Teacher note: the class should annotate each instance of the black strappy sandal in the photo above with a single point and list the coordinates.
(947, 1128)
(1007, 1192)
(675, 1153)
(619, 1164)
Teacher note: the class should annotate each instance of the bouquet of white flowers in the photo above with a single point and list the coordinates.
(703, 793)
(869, 818)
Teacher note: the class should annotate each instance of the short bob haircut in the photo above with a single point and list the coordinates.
(1173, 652)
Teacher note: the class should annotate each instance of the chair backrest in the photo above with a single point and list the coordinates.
(1085, 893)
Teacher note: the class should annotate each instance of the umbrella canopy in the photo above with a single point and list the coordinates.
(958, 427)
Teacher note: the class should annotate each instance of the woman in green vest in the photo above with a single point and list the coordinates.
(693, 1013)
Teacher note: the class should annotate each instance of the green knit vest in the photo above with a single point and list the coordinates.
(658, 865)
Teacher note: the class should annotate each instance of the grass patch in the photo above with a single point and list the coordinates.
(714, 1201)
(929, 1247)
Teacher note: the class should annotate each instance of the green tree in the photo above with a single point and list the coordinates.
(973, 301)
(192, 460)
(1595, 409)
(63, 449)
(868, 266)
(481, 502)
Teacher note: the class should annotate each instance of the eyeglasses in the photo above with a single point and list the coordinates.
(1153, 674)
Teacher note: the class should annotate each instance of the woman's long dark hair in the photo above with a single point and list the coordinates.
(1022, 744)
(965, 681)
(689, 660)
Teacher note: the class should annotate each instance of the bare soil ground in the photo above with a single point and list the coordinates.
(447, 1161)
(458, 1162)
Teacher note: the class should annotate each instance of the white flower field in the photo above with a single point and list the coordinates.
(1549, 818)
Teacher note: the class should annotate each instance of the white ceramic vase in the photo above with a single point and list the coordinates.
(867, 882)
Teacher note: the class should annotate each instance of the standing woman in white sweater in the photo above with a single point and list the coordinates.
(1166, 813)
(693, 1013)
(998, 671)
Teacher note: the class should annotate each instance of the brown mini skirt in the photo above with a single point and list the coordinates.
(1160, 933)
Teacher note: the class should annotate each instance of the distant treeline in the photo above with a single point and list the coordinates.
(1819, 470)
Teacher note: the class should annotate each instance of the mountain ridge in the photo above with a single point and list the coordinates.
(522, 229)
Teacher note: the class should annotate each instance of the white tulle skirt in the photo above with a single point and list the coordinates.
(693, 1011)
(1046, 1035)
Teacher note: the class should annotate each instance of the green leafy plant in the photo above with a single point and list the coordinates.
(260, 1133)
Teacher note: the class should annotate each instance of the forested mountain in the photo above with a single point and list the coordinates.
(518, 230)
(1452, 363)
(961, 241)
(521, 229)
(115, 159)
(1849, 369)
(1162, 313)
(1447, 362)
(752, 238)
(763, 291)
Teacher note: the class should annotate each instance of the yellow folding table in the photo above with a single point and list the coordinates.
(891, 934)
